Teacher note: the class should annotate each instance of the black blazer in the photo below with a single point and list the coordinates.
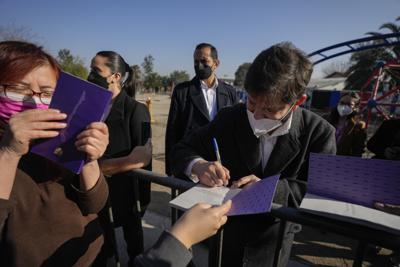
(240, 149)
(252, 238)
(125, 129)
(188, 111)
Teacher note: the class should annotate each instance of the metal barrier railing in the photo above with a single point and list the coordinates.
(363, 234)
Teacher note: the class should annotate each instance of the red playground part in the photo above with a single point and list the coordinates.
(370, 99)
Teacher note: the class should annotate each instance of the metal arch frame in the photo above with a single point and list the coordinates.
(374, 101)
(386, 38)
(391, 39)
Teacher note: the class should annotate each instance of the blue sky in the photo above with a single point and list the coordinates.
(170, 29)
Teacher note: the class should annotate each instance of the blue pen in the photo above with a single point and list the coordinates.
(216, 149)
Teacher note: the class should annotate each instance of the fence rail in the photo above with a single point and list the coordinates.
(364, 234)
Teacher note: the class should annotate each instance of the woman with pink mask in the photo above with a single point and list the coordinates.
(47, 214)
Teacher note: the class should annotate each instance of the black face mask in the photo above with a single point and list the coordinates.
(96, 78)
(203, 72)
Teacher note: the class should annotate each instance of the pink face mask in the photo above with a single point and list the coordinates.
(10, 107)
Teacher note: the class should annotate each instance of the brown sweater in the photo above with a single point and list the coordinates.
(46, 222)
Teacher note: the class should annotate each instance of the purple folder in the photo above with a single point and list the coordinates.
(255, 198)
(354, 180)
(84, 103)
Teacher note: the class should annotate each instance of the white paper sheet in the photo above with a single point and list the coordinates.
(203, 194)
(351, 213)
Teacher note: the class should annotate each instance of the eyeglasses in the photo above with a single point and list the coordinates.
(19, 92)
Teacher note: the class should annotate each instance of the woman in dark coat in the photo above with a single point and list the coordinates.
(127, 151)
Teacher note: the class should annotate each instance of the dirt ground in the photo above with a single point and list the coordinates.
(311, 247)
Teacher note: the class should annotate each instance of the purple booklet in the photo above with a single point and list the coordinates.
(354, 180)
(84, 103)
(253, 199)
(345, 188)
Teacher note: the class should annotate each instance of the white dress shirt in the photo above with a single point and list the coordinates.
(267, 142)
(210, 95)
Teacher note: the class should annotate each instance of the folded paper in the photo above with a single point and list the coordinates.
(253, 199)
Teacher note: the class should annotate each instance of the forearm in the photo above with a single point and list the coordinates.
(89, 176)
(117, 165)
(8, 165)
(93, 200)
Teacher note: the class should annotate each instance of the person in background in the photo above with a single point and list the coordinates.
(195, 103)
(47, 214)
(385, 144)
(125, 152)
(350, 133)
(268, 135)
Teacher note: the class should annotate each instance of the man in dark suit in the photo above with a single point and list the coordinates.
(195, 103)
(268, 135)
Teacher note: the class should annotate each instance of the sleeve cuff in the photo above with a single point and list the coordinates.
(93, 200)
(168, 251)
(188, 170)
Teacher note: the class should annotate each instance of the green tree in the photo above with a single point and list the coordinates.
(178, 76)
(165, 81)
(363, 63)
(240, 74)
(148, 64)
(152, 81)
(72, 64)
(137, 77)
(392, 28)
(137, 73)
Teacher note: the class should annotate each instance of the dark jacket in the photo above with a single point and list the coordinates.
(188, 111)
(351, 141)
(387, 135)
(252, 238)
(125, 129)
(166, 252)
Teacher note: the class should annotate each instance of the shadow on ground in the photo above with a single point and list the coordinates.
(317, 248)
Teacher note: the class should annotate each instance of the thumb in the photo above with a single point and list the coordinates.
(379, 205)
(224, 208)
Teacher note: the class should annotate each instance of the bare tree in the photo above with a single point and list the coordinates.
(16, 33)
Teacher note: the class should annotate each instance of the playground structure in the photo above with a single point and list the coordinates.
(390, 99)
(370, 99)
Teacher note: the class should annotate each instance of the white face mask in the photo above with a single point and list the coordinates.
(266, 126)
(344, 110)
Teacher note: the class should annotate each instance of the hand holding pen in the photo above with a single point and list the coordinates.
(212, 173)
